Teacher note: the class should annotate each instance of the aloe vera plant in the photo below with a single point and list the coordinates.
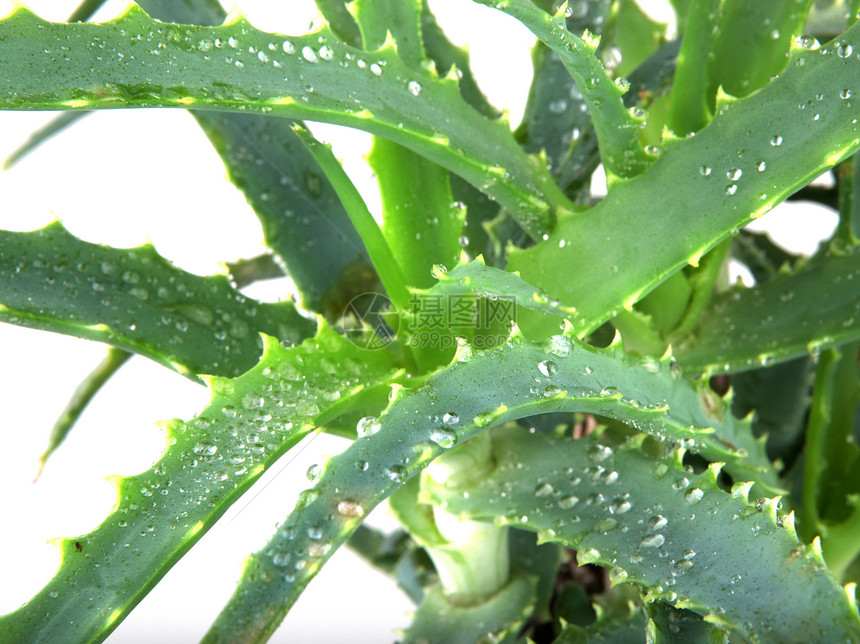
(585, 431)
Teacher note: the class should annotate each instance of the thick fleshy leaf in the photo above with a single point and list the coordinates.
(136, 300)
(745, 328)
(713, 189)
(752, 41)
(674, 533)
(498, 619)
(236, 67)
(210, 462)
(556, 117)
(303, 221)
(617, 129)
(479, 390)
(82, 396)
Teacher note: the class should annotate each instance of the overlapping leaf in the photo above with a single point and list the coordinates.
(755, 153)
(235, 67)
(478, 391)
(135, 300)
(676, 534)
(745, 328)
(210, 461)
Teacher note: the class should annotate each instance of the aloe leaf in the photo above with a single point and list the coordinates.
(421, 223)
(452, 406)
(606, 631)
(746, 328)
(303, 221)
(635, 35)
(752, 42)
(325, 81)
(38, 137)
(85, 10)
(137, 301)
(617, 129)
(779, 397)
(848, 227)
(676, 534)
(447, 57)
(82, 396)
(494, 284)
(704, 175)
(250, 422)
(556, 117)
(380, 253)
(763, 257)
(340, 20)
(690, 108)
(669, 625)
(498, 619)
(832, 458)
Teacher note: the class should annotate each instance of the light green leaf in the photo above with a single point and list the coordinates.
(498, 619)
(674, 533)
(38, 137)
(702, 187)
(303, 221)
(210, 462)
(82, 396)
(313, 76)
(479, 390)
(617, 129)
(745, 328)
(135, 300)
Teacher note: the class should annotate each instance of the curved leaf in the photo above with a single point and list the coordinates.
(755, 153)
(210, 462)
(303, 221)
(674, 533)
(617, 128)
(235, 67)
(38, 137)
(135, 300)
(477, 391)
(745, 328)
(82, 396)
(498, 619)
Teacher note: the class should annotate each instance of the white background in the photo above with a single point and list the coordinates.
(126, 177)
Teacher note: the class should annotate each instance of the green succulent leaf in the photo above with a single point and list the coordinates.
(669, 625)
(82, 396)
(53, 127)
(713, 541)
(477, 278)
(498, 619)
(137, 301)
(745, 328)
(556, 118)
(779, 398)
(702, 186)
(210, 462)
(610, 631)
(454, 405)
(617, 129)
(752, 41)
(296, 77)
(447, 57)
(303, 221)
(831, 460)
(85, 10)
(761, 255)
